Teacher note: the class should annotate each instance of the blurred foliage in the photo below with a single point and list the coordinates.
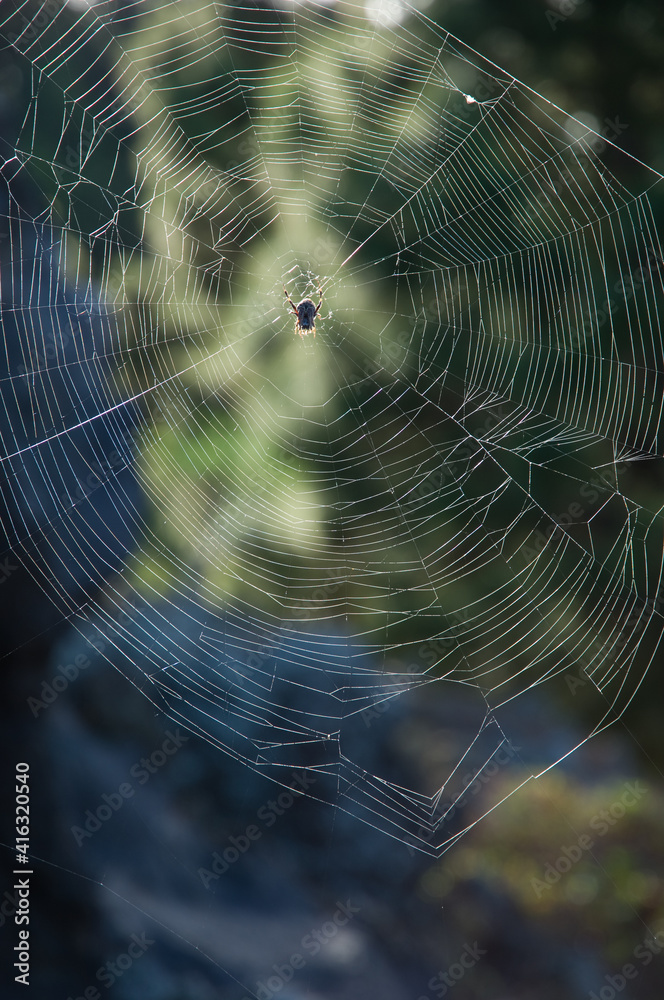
(239, 480)
(255, 451)
(581, 860)
(605, 59)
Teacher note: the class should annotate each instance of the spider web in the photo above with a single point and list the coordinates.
(435, 501)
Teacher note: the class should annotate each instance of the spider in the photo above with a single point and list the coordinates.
(306, 313)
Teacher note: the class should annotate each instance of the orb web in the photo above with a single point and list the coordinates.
(439, 500)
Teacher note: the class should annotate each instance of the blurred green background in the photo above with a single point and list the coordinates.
(240, 455)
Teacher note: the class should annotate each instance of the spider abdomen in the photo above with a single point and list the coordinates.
(306, 313)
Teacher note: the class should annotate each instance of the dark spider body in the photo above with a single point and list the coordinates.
(306, 313)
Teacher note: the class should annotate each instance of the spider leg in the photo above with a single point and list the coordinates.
(294, 307)
(320, 292)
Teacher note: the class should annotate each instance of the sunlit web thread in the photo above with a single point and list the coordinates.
(233, 151)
